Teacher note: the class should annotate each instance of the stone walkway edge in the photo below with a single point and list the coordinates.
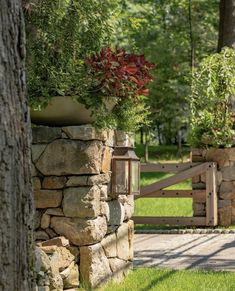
(185, 231)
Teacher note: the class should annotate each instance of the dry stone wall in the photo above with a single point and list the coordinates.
(83, 232)
(225, 159)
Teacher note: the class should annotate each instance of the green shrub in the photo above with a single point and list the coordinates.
(60, 34)
(212, 98)
(68, 55)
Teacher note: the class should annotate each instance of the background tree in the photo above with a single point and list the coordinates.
(16, 257)
(227, 24)
(162, 30)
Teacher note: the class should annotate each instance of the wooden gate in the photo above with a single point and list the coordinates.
(183, 172)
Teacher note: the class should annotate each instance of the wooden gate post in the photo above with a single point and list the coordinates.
(211, 195)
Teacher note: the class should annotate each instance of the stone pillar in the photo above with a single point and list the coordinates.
(225, 159)
(71, 182)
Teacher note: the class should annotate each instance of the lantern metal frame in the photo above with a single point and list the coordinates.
(125, 154)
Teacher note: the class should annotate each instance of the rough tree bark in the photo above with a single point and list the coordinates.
(227, 24)
(16, 244)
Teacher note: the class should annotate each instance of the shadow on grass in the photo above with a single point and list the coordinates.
(158, 280)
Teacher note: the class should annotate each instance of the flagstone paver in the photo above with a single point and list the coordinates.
(185, 251)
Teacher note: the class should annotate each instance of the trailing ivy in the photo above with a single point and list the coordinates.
(212, 101)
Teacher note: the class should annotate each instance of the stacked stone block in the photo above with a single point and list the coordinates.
(71, 169)
(225, 159)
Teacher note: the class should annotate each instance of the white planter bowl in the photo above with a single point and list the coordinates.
(63, 110)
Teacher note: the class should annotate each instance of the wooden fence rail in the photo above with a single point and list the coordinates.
(183, 172)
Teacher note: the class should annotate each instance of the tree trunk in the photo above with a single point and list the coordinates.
(16, 207)
(227, 24)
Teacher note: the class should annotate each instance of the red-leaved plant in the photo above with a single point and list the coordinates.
(119, 74)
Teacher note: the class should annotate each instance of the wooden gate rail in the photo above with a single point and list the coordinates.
(183, 172)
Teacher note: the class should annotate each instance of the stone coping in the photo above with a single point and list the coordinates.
(186, 231)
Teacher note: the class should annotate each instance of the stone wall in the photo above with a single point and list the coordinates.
(225, 159)
(81, 229)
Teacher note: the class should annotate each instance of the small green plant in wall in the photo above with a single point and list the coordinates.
(213, 101)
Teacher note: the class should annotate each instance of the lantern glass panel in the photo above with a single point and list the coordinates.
(135, 176)
(121, 177)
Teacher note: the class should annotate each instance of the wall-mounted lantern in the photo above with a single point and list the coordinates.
(125, 172)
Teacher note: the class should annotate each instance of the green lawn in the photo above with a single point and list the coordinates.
(142, 279)
(162, 206)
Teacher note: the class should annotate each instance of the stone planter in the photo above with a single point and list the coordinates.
(63, 110)
(225, 159)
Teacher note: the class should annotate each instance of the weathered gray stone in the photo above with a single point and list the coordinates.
(80, 232)
(103, 192)
(199, 186)
(219, 178)
(47, 198)
(36, 183)
(43, 279)
(203, 178)
(45, 134)
(41, 235)
(85, 132)
(199, 209)
(74, 181)
(64, 135)
(228, 195)
(55, 211)
(129, 207)
(196, 179)
(228, 173)
(233, 211)
(42, 262)
(130, 225)
(224, 203)
(227, 187)
(99, 179)
(37, 150)
(109, 244)
(34, 171)
(110, 138)
(37, 218)
(58, 241)
(43, 288)
(123, 245)
(123, 242)
(225, 216)
(117, 214)
(56, 282)
(45, 221)
(104, 210)
(219, 156)
(54, 182)
(50, 232)
(106, 160)
(61, 259)
(124, 139)
(71, 277)
(69, 157)
(122, 199)
(94, 266)
(82, 202)
(199, 206)
(49, 249)
(198, 152)
(231, 153)
(120, 268)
